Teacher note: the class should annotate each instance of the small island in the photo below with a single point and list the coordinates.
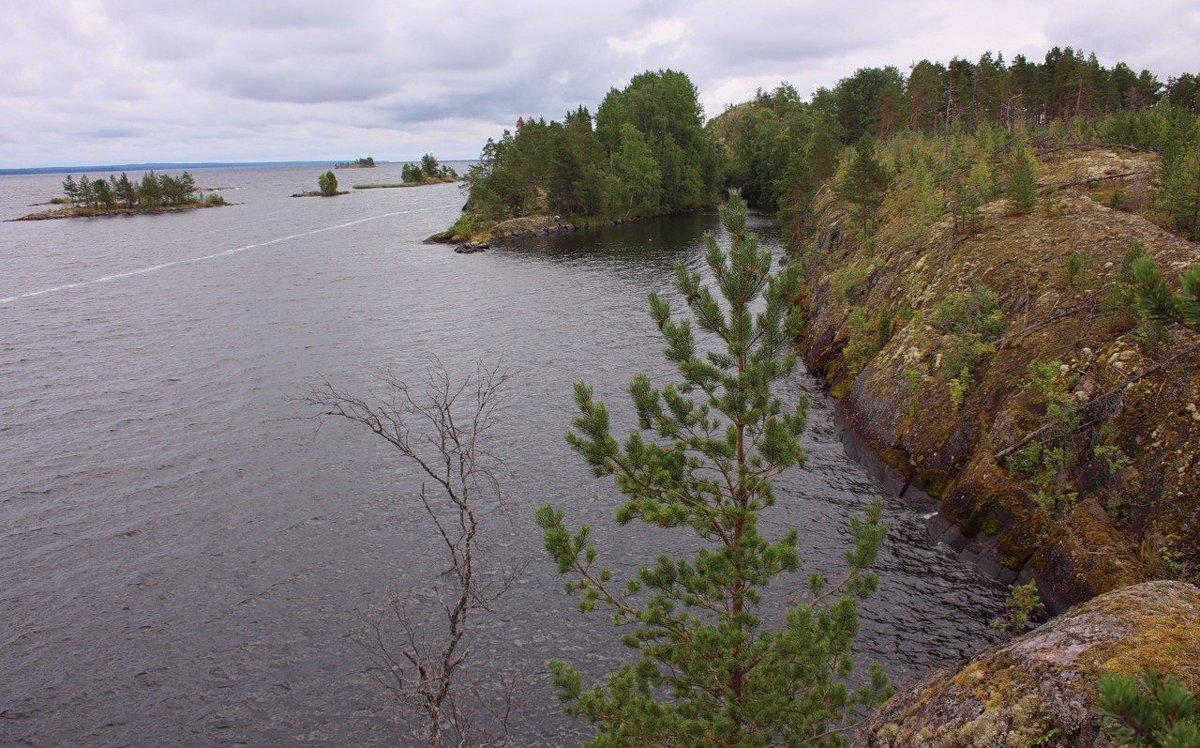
(327, 186)
(363, 163)
(426, 171)
(154, 193)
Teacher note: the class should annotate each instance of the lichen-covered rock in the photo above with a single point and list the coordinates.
(1119, 503)
(1040, 688)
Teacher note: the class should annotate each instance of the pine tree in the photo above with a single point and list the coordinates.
(430, 166)
(87, 195)
(187, 187)
(71, 189)
(705, 669)
(125, 191)
(1157, 299)
(102, 195)
(172, 189)
(1022, 184)
(1179, 198)
(864, 184)
(1149, 710)
(412, 174)
(150, 194)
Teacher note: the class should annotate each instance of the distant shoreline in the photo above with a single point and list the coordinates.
(176, 165)
(156, 166)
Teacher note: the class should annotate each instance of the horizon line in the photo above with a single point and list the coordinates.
(150, 165)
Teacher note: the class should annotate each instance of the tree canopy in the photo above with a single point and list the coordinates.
(644, 152)
(427, 170)
(780, 150)
(152, 191)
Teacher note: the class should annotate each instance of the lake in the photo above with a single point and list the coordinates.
(188, 555)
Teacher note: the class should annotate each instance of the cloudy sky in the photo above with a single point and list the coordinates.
(94, 82)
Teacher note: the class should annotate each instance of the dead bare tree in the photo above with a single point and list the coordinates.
(441, 428)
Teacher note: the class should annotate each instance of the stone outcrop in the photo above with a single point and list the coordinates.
(516, 228)
(513, 228)
(1040, 688)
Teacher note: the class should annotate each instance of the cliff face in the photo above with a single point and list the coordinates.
(1007, 373)
(1040, 689)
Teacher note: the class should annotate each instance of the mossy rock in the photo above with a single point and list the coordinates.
(1040, 689)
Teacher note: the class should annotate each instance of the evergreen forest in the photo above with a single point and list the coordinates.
(948, 133)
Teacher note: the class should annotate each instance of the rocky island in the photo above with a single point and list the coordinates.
(154, 193)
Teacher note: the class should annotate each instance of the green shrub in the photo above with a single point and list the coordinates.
(976, 312)
(1043, 463)
(1022, 603)
(959, 386)
(1022, 183)
(848, 284)
(327, 184)
(971, 321)
(867, 336)
(1077, 269)
(966, 356)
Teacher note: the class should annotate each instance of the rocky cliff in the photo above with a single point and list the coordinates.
(1004, 370)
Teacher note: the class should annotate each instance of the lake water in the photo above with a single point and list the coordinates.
(186, 557)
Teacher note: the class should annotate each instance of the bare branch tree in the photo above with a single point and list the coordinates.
(440, 427)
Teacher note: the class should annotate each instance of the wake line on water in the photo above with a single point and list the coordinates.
(217, 255)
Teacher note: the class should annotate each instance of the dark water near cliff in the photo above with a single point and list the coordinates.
(185, 556)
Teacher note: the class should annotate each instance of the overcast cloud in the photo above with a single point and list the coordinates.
(89, 82)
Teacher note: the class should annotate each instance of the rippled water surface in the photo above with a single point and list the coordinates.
(186, 557)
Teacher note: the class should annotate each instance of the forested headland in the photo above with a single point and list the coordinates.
(645, 152)
(153, 193)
